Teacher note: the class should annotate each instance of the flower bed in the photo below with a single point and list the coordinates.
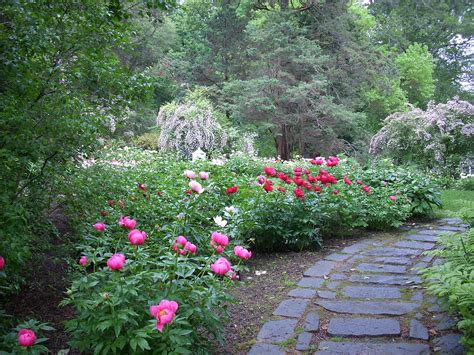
(162, 239)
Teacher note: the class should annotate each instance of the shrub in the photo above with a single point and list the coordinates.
(148, 140)
(465, 184)
(453, 280)
(421, 191)
(436, 138)
(191, 124)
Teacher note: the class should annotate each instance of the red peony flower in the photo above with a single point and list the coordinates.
(299, 193)
(366, 189)
(231, 190)
(268, 187)
(269, 171)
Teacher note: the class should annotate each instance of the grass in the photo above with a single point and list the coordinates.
(456, 203)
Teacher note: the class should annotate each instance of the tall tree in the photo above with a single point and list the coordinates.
(444, 26)
(212, 42)
(286, 91)
(416, 67)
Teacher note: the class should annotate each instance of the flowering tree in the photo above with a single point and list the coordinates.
(190, 125)
(437, 138)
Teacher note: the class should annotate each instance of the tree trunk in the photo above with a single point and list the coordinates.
(283, 143)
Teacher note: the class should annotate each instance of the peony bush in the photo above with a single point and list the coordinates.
(162, 239)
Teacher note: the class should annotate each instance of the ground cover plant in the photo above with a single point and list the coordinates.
(189, 226)
(453, 280)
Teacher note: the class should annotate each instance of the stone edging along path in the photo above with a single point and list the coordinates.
(365, 299)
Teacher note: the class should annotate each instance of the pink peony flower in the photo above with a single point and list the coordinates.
(242, 253)
(127, 223)
(142, 187)
(181, 240)
(221, 266)
(393, 198)
(99, 226)
(261, 179)
(136, 237)
(2, 262)
(219, 239)
(204, 175)
(195, 186)
(366, 189)
(116, 262)
(164, 313)
(179, 245)
(332, 161)
(190, 247)
(335, 192)
(189, 174)
(347, 181)
(26, 337)
(83, 260)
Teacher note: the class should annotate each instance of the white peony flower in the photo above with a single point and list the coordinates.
(220, 221)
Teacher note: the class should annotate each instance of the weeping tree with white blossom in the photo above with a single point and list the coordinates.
(438, 137)
(191, 124)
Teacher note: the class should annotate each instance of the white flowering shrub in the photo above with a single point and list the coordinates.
(437, 138)
(190, 125)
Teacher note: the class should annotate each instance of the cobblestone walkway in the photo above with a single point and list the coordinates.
(365, 299)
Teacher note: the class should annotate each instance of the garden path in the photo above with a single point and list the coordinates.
(366, 299)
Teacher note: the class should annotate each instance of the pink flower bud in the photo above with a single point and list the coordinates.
(195, 186)
(221, 266)
(127, 223)
(181, 240)
(83, 260)
(26, 337)
(393, 198)
(99, 226)
(242, 253)
(204, 175)
(189, 174)
(136, 237)
(190, 247)
(116, 262)
(2, 262)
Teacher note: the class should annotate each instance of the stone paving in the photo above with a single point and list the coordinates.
(366, 299)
